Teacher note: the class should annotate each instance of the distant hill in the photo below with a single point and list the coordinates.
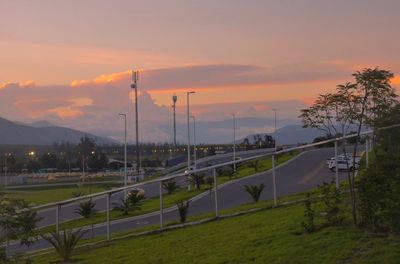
(290, 134)
(293, 134)
(42, 133)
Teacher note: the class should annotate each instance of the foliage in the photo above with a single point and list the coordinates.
(225, 171)
(17, 221)
(331, 202)
(183, 209)
(255, 191)
(48, 160)
(64, 244)
(170, 186)
(356, 104)
(123, 206)
(87, 210)
(309, 212)
(197, 179)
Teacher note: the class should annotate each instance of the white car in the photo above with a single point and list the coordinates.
(342, 157)
(343, 164)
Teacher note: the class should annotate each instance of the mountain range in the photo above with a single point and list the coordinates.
(42, 133)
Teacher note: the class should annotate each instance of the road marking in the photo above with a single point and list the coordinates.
(309, 176)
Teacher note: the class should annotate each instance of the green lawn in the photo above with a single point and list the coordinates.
(41, 195)
(153, 204)
(269, 236)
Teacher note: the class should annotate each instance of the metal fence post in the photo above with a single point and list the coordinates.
(336, 166)
(274, 180)
(366, 152)
(216, 193)
(58, 208)
(161, 205)
(108, 196)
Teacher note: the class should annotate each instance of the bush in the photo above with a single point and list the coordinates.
(309, 213)
(65, 244)
(254, 191)
(379, 195)
(170, 186)
(331, 201)
(183, 209)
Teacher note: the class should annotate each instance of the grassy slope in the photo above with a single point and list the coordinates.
(272, 236)
(153, 204)
(42, 196)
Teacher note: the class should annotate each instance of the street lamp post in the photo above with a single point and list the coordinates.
(125, 158)
(234, 142)
(135, 78)
(274, 109)
(174, 99)
(5, 169)
(194, 142)
(188, 133)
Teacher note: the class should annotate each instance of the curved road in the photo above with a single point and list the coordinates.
(302, 173)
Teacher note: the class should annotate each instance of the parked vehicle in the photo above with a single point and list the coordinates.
(343, 164)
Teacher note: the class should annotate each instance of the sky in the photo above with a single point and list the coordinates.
(70, 62)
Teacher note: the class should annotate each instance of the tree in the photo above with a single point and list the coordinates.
(85, 148)
(48, 160)
(309, 213)
(183, 209)
(65, 244)
(353, 105)
(254, 191)
(17, 221)
(170, 186)
(87, 210)
(197, 179)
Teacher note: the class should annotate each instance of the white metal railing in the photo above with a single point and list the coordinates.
(108, 193)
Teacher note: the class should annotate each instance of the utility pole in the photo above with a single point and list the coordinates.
(274, 109)
(135, 78)
(125, 158)
(188, 133)
(194, 142)
(174, 99)
(234, 142)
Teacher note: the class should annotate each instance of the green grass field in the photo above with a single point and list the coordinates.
(152, 204)
(41, 195)
(269, 236)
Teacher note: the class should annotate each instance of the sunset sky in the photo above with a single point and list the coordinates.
(69, 62)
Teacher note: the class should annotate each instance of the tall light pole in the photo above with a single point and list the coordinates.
(234, 142)
(274, 109)
(174, 99)
(125, 158)
(6, 168)
(135, 78)
(194, 141)
(188, 133)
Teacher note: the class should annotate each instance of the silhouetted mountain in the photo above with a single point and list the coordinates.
(42, 133)
(287, 135)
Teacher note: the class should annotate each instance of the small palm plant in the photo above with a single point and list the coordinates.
(122, 206)
(87, 210)
(170, 186)
(64, 244)
(255, 191)
(135, 198)
(183, 208)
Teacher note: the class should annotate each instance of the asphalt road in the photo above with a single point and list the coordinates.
(305, 172)
(67, 212)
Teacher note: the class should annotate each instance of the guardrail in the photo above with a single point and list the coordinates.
(107, 194)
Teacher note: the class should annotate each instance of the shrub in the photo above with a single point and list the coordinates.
(64, 244)
(309, 213)
(87, 210)
(254, 191)
(183, 209)
(170, 186)
(331, 201)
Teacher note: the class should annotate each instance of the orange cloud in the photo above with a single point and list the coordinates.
(22, 84)
(102, 79)
(66, 112)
